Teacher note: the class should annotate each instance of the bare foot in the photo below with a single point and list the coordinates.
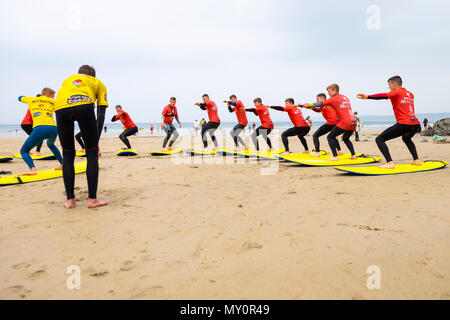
(317, 154)
(333, 159)
(389, 165)
(165, 150)
(306, 152)
(286, 153)
(417, 163)
(38, 154)
(59, 167)
(32, 172)
(70, 204)
(94, 203)
(340, 153)
(169, 148)
(353, 157)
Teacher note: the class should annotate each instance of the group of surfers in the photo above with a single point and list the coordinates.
(75, 101)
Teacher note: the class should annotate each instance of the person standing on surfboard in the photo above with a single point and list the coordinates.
(407, 123)
(169, 112)
(128, 124)
(301, 126)
(347, 121)
(331, 120)
(44, 127)
(266, 126)
(75, 102)
(213, 123)
(27, 126)
(235, 105)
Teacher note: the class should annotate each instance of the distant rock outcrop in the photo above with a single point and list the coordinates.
(441, 128)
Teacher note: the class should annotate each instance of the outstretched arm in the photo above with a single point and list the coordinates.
(201, 105)
(277, 108)
(378, 96)
(252, 110)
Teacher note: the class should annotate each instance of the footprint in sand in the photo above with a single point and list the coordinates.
(17, 290)
(37, 275)
(127, 266)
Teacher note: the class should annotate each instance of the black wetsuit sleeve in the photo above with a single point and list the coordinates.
(230, 109)
(378, 96)
(277, 108)
(203, 106)
(252, 110)
(113, 119)
(101, 110)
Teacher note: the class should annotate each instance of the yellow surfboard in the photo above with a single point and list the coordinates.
(166, 153)
(35, 157)
(5, 158)
(324, 155)
(42, 175)
(398, 169)
(126, 152)
(343, 160)
(252, 153)
(203, 153)
(81, 154)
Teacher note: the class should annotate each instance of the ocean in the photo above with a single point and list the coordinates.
(114, 129)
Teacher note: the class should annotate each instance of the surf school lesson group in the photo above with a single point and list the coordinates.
(75, 101)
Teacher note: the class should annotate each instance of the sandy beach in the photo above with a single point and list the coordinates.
(216, 229)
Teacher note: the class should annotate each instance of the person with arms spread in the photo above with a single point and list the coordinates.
(213, 123)
(266, 126)
(346, 124)
(407, 123)
(301, 126)
(129, 127)
(235, 105)
(169, 113)
(75, 102)
(44, 127)
(331, 120)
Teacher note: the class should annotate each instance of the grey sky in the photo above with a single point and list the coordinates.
(147, 51)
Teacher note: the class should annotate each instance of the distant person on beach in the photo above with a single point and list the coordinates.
(168, 114)
(151, 129)
(301, 126)
(213, 123)
(266, 126)
(203, 122)
(407, 123)
(106, 129)
(236, 106)
(196, 127)
(253, 126)
(27, 126)
(44, 127)
(75, 102)
(426, 124)
(346, 124)
(358, 126)
(129, 127)
(308, 119)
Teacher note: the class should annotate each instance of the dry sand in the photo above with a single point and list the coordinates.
(226, 231)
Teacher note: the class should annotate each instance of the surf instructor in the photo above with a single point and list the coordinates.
(75, 102)
(407, 123)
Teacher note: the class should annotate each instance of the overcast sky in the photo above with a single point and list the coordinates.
(147, 51)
